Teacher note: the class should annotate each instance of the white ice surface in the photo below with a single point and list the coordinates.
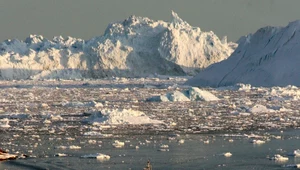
(120, 116)
(192, 94)
(137, 46)
(269, 57)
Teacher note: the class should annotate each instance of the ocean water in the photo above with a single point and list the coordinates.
(192, 154)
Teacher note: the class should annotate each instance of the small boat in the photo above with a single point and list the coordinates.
(6, 156)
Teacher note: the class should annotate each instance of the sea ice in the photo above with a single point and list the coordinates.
(227, 154)
(279, 158)
(120, 116)
(98, 156)
(192, 94)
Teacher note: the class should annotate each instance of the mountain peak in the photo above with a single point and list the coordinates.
(177, 21)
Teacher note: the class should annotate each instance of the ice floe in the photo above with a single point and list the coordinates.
(61, 155)
(258, 108)
(98, 156)
(297, 166)
(192, 94)
(74, 147)
(4, 123)
(227, 154)
(120, 116)
(257, 141)
(279, 158)
(164, 148)
(295, 153)
(118, 144)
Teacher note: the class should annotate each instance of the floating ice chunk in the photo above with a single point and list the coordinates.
(47, 121)
(61, 155)
(98, 156)
(181, 141)
(258, 108)
(295, 153)
(164, 146)
(196, 94)
(257, 141)
(124, 116)
(227, 154)
(70, 138)
(4, 123)
(279, 158)
(44, 105)
(68, 147)
(297, 166)
(192, 94)
(74, 147)
(206, 141)
(177, 96)
(99, 134)
(92, 141)
(118, 144)
(56, 118)
(162, 98)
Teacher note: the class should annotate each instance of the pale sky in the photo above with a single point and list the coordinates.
(88, 18)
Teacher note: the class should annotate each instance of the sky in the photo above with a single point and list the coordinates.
(89, 18)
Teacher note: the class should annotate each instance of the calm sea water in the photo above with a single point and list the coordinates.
(193, 154)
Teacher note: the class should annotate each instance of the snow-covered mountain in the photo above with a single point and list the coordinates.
(135, 47)
(270, 57)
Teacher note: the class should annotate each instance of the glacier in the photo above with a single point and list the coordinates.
(269, 57)
(135, 47)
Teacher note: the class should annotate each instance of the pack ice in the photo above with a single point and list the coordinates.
(120, 116)
(137, 46)
(191, 94)
(270, 57)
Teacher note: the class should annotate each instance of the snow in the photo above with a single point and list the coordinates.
(192, 94)
(135, 47)
(120, 116)
(267, 58)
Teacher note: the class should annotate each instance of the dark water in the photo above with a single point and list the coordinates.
(193, 154)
